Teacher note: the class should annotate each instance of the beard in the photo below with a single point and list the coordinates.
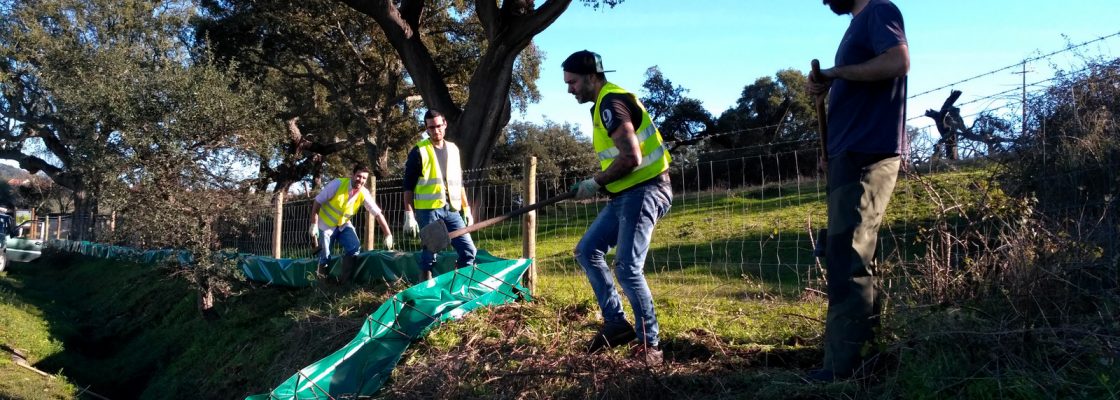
(841, 7)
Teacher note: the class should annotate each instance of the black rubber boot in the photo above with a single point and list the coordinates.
(347, 270)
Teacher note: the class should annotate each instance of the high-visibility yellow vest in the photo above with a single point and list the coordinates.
(655, 157)
(430, 192)
(338, 210)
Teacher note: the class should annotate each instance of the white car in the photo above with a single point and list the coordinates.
(18, 249)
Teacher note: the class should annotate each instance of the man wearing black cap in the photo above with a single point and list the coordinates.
(633, 163)
(866, 123)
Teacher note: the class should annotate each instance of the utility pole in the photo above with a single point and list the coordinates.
(1024, 98)
(1024, 73)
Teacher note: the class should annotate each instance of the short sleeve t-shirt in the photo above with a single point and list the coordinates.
(868, 117)
(617, 108)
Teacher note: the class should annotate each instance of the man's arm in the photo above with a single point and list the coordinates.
(629, 155)
(411, 176)
(384, 225)
(893, 63)
(315, 206)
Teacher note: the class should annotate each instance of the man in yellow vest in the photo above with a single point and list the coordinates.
(633, 172)
(331, 212)
(434, 173)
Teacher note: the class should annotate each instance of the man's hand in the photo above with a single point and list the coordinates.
(820, 81)
(410, 224)
(586, 188)
(388, 242)
(467, 217)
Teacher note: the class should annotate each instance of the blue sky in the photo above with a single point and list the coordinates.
(714, 48)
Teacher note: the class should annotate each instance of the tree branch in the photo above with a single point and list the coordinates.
(488, 15)
(405, 39)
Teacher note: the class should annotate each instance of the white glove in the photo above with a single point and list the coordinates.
(314, 231)
(586, 188)
(410, 224)
(467, 217)
(388, 242)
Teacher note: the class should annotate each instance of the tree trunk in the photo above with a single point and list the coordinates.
(487, 111)
(85, 209)
(509, 28)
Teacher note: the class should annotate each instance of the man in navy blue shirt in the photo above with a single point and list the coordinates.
(866, 92)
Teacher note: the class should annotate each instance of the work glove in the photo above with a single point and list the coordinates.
(388, 242)
(410, 224)
(467, 217)
(586, 188)
(314, 231)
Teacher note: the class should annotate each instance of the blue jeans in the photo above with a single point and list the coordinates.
(463, 245)
(345, 235)
(626, 224)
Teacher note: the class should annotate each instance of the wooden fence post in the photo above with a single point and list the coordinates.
(58, 229)
(278, 224)
(46, 228)
(34, 226)
(371, 223)
(529, 225)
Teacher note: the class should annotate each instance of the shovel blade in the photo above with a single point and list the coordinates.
(434, 236)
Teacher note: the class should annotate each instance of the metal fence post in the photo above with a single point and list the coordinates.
(58, 229)
(371, 222)
(278, 224)
(529, 225)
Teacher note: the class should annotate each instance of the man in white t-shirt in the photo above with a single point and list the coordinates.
(331, 212)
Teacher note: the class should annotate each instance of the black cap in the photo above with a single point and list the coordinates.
(584, 62)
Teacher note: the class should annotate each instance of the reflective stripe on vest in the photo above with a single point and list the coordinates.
(430, 191)
(655, 157)
(341, 207)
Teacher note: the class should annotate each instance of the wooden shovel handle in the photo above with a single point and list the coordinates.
(553, 200)
(818, 101)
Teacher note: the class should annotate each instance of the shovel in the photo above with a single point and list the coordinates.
(435, 237)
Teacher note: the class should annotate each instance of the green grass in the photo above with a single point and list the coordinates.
(733, 286)
(24, 328)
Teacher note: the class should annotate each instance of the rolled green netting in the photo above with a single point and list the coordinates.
(361, 366)
(371, 266)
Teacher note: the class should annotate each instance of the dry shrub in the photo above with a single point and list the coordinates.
(1016, 295)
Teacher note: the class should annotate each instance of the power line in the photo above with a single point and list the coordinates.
(1008, 91)
(1031, 59)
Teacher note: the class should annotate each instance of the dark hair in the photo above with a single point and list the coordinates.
(360, 167)
(432, 114)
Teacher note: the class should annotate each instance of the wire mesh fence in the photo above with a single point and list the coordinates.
(743, 222)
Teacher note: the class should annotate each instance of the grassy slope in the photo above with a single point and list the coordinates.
(726, 335)
(24, 327)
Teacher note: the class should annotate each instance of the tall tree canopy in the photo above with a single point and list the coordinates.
(506, 30)
(65, 67)
(345, 91)
(770, 110)
(96, 91)
(677, 116)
